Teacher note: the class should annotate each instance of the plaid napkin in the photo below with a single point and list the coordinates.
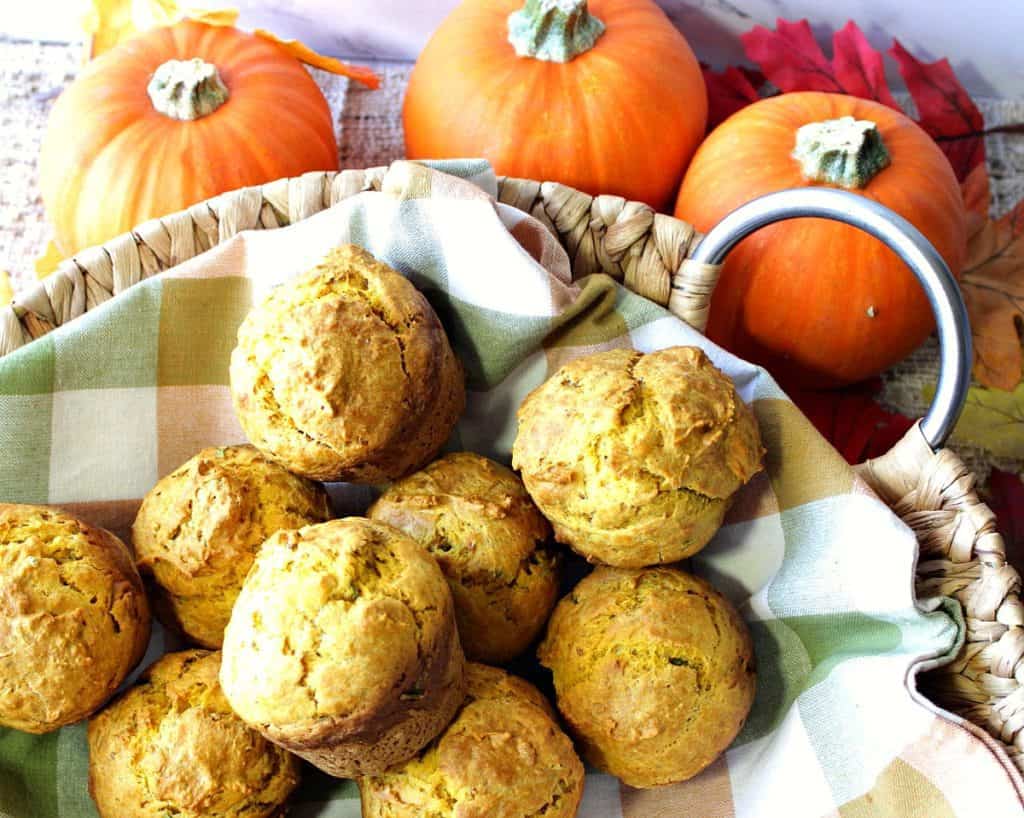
(94, 413)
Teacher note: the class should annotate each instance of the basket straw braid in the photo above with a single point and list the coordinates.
(961, 554)
(964, 557)
(645, 250)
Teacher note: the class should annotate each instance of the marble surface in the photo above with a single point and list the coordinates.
(982, 38)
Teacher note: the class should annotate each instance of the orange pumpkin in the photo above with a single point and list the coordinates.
(172, 117)
(817, 302)
(607, 99)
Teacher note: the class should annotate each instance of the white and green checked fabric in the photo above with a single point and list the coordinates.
(94, 413)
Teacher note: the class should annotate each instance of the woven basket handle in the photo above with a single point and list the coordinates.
(901, 237)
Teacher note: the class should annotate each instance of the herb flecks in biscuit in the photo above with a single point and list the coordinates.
(170, 745)
(74, 619)
(653, 672)
(476, 519)
(503, 756)
(634, 458)
(346, 373)
(342, 646)
(199, 528)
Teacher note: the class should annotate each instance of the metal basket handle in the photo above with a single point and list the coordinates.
(907, 242)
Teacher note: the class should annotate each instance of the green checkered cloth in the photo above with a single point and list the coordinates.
(94, 413)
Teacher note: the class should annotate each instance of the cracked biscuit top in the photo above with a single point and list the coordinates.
(345, 373)
(342, 631)
(73, 617)
(476, 519)
(170, 746)
(653, 672)
(634, 457)
(199, 528)
(503, 756)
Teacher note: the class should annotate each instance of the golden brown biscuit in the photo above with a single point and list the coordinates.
(502, 757)
(73, 617)
(345, 373)
(653, 672)
(342, 646)
(198, 531)
(170, 745)
(634, 458)
(474, 516)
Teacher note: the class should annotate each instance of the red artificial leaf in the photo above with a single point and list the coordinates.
(852, 421)
(859, 68)
(1006, 499)
(944, 109)
(730, 90)
(790, 57)
(792, 60)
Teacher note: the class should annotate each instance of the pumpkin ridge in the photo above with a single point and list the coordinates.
(87, 159)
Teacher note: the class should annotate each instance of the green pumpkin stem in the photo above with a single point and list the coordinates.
(187, 89)
(553, 30)
(846, 152)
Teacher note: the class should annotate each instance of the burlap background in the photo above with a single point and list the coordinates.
(370, 133)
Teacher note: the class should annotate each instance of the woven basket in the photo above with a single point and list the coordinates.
(962, 555)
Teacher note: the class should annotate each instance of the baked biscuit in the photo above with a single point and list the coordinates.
(199, 528)
(503, 756)
(653, 672)
(170, 745)
(634, 458)
(476, 519)
(342, 646)
(73, 617)
(345, 373)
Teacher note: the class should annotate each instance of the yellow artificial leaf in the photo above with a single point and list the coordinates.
(6, 290)
(303, 53)
(993, 419)
(111, 22)
(49, 261)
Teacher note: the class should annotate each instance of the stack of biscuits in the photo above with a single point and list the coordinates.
(369, 646)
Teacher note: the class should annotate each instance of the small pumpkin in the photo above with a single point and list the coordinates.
(817, 302)
(173, 117)
(606, 97)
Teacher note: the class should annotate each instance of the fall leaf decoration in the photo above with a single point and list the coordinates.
(977, 195)
(852, 420)
(110, 22)
(993, 420)
(791, 60)
(945, 110)
(730, 90)
(993, 288)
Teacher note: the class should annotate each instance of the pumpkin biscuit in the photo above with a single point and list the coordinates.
(199, 528)
(73, 617)
(342, 646)
(170, 745)
(634, 458)
(653, 672)
(503, 756)
(476, 519)
(345, 373)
